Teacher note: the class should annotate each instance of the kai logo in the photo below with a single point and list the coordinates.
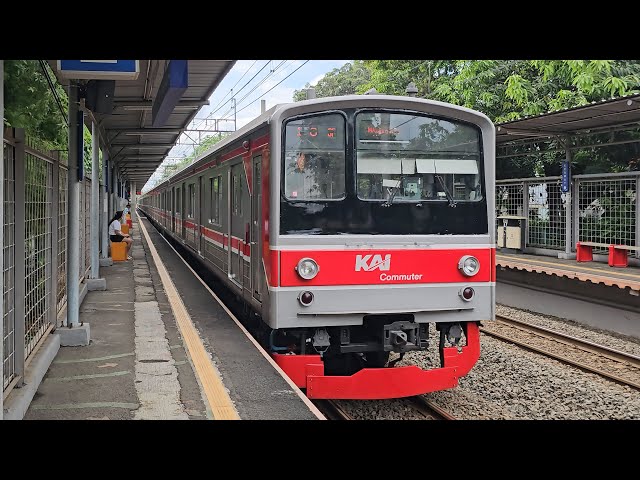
(369, 263)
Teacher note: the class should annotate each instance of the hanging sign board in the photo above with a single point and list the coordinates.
(99, 69)
(566, 177)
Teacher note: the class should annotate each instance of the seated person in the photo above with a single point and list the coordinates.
(115, 232)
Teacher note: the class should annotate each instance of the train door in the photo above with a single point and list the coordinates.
(200, 216)
(236, 224)
(256, 237)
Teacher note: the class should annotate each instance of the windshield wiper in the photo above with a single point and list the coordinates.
(396, 189)
(452, 202)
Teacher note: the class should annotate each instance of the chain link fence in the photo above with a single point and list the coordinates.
(37, 245)
(35, 248)
(603, 208)
(87, 225)
(62, 238)
(8, 251)
(607, 211)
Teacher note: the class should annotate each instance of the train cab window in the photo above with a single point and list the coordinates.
(416, 158)
(216, 198)
(314, 158)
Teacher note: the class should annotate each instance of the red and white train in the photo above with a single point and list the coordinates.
(349, 225)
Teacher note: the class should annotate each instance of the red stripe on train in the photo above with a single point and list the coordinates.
(381, 267)
(218, 237)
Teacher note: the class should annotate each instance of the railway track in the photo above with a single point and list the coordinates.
(426, 410)
(429, 409)
(613, 364)
(332, 410)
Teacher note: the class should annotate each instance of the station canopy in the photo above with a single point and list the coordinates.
(596, 117)
(133, 143)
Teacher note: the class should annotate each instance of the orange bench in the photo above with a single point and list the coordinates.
(618, 254)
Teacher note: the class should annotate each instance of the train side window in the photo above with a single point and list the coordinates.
(237, 195)
(216, 198)
(178, 196)
(192, 200)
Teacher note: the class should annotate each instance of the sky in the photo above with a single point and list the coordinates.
(249, 82)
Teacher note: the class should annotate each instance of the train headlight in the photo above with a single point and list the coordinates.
(469, 265)
(307, 268)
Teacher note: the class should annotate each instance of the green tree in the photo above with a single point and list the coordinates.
(206, 144)
(30, 104)
(506, 90)
(391, 77)
(346, 80)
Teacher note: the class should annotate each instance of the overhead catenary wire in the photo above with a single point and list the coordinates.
(242, 88)
(220, 104)
(280, 65)
(306, 61)
(231, 90)
(272, 72)
(53, 90)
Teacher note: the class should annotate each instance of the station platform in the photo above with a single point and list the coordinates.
(163, 349)
(597, 273)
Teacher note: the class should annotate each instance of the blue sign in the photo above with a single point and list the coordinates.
(173, 85)
(100, 69)
(566, 177)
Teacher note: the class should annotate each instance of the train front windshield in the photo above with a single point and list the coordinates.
(414, 158)
(401, 173)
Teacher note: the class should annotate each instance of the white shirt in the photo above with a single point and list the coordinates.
(115, 225)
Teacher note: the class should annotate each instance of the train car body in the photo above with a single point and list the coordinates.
(349, 225)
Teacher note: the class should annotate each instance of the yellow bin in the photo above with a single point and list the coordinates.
(124, 228)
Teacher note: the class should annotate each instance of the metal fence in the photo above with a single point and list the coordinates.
(62, 238)
(603, 208)
(87, 225)
(37, 245)
(607, 211)
(8, 250)
(82, 239)
(35, 248)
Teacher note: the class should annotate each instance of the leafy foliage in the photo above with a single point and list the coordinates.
(207, 143)
(506, 90)
(29, 104)
(347, 80)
